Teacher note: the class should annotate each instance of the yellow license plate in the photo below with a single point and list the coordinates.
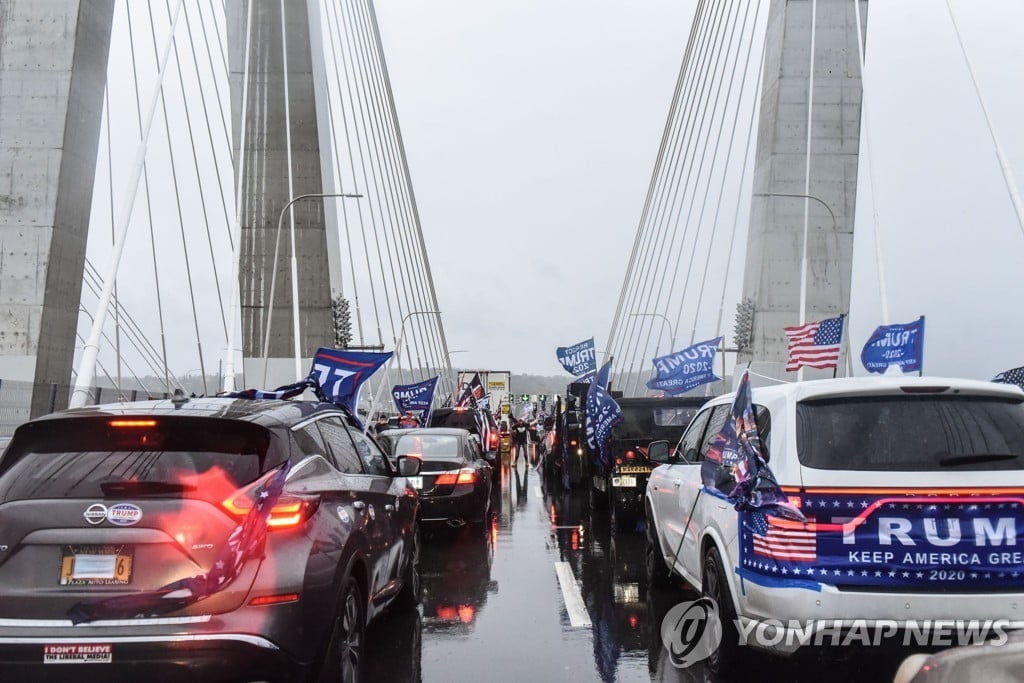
(96, 565)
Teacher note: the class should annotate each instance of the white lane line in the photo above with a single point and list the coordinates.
(578, 617)
(537, 492)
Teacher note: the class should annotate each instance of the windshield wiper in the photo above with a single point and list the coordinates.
(954, 460)
(143, 488)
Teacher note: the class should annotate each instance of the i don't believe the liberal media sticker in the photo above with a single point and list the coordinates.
(691, 631)
(78, 653)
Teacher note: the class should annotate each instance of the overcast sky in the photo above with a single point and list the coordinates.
(532, 126)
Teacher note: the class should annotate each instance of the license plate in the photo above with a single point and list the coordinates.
(67, 653)
(415, 482)
(623, 481)
(91, 565)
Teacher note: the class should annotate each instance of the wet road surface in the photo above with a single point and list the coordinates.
(494, 608)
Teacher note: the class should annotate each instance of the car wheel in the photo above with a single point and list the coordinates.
(730, 656)
(344, 658)
(412, 586)
(658, 573)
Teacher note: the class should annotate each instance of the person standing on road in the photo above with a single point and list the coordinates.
(520, 437)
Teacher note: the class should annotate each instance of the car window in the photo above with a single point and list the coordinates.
(340, 445)
(372, 456)
(309, 441)
(692, 437)
(912, 433)
(719, 415)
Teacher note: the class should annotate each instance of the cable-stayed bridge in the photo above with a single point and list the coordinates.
(252, 156)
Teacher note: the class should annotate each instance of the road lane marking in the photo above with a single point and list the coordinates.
(578, 617)
(537, 492)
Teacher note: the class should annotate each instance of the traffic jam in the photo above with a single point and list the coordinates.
(860, 528)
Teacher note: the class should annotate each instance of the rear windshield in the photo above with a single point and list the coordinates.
(462, 419)
(653, 422)
(912, 433)
(428, 446)
(175, 457)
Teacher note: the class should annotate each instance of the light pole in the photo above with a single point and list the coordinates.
(397, 353)
(455, 377)
(803, 256)
(295, 281)
(671, 329)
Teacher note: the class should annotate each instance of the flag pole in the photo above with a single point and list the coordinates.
(920, 367)
(842, 342)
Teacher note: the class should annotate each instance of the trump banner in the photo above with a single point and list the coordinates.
(415, 397)
(685, 370)
(340, 374)
(602, 413)
(900, 345)
(578, 359)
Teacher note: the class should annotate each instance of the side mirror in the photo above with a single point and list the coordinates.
(408, 466)
(657, 451)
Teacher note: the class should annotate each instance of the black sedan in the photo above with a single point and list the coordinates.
(204, 539)
(455, 481)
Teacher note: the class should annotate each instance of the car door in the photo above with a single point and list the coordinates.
(395, 505)
(666, 483)
(699, 506)
(484, 471)
(369, 499)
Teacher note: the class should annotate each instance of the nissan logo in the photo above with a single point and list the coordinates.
(95, 513)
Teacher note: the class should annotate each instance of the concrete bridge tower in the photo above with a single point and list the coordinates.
(53, 69)
(820, 163)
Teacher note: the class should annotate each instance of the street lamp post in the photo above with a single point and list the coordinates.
(295, 281)
(666, 321)
(397, 353)
(455, 377)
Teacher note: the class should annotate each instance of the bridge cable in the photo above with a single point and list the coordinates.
(113, 232)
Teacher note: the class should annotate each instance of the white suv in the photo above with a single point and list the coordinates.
(914, 493)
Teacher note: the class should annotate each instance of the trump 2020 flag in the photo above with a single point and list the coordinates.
(578, 359)
(602, 413)
(684, 370)
(1011, 376)
(735, 465)
(815, 345)
(415, 397)
(900, 345)
(340, 374)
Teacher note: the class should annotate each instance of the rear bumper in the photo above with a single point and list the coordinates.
(466, 507)
(171, 658)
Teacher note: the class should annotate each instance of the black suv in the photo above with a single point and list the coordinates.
(204, 539)
(621, 486)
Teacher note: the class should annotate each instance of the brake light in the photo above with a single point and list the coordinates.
(274, 599)
(630, 455)
(288, 512)
(572, 442)
(463, 476)
(494, 439)
(618, 461)
(123, 424)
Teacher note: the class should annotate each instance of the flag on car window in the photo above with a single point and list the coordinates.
(685, 370)
(281, 393)
(815, 345)
(736, 465)
(900, 345)
(244, 543)
(602, 414)
(578, 359)
(1011, 376)
(415, 397)
(340, 374)
(472, 391)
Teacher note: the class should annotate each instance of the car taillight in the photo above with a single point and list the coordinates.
(572, 442)
(274, 599)
(618, 461)
(630, 455)
(288, 512)
(463, 476)
(494, 440)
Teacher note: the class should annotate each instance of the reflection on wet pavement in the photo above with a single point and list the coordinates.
(492, 608)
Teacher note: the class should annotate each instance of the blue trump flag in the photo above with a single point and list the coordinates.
(735, 465)
(578, 359)
(602, 413)
(684, 370)
(340, 374)
(418, 397)
(900, 345)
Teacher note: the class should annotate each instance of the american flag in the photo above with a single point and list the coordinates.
(815, 345)
(783, 542)
(1012, 376)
